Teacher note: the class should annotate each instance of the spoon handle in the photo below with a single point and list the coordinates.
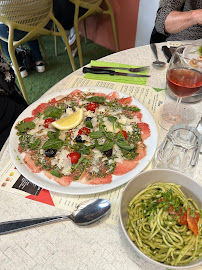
(153, 47)
(16, 225)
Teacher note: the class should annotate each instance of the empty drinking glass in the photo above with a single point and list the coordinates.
(180, 150)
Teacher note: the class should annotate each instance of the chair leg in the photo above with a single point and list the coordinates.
(76, 28)
(55, 40)
(114, 31)
(44, 49)
(64, 35)
(17, 71)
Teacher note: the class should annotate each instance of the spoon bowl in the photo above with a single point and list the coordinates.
(158, 64)
(90, 212)
(86, 213)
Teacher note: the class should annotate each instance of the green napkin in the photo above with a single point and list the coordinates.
(118, 78)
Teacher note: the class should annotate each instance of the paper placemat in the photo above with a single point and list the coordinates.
(12, 181)
(114, 78)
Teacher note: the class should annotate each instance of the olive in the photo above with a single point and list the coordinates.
(78, 139)
(108, 153)
(50, 152)
(88, 118)
(68, 106)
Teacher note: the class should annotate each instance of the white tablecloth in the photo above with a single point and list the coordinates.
(63, 245)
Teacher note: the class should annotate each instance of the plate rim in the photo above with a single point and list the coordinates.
(187, 49)
(50, 184)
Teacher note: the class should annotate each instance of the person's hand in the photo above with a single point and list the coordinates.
(197, 14)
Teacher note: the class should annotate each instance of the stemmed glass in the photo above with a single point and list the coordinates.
(184, 78)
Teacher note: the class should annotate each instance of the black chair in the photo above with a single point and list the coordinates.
(157, 37)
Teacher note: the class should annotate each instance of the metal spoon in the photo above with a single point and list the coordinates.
(156, 64)
(86, 213)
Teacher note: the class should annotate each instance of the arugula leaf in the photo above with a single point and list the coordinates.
(56, 173)
(82, 148)
(118, 105)
(53, 135)
(101, 126)
(104, 147)
(24, 126)
(133, 109)
(35, 144)
(118, 125)
(53, 112)
(82, 164)
(97, 99)
(88, 124)
(122, 143)
(109, 135)
(53, 144)
(95, 134)
(111, 118)
(129, 154)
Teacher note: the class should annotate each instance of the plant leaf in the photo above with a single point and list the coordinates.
(53, 144)
(97, 99)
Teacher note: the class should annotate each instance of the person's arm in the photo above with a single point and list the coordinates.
(177, 21)
(165, 8)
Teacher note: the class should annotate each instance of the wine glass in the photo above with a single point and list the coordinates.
(184, 78)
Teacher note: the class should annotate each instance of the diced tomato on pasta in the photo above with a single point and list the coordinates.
(192, 220)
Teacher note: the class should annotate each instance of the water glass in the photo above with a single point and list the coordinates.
(179, 150)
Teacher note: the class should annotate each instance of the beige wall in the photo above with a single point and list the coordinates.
(126, 13)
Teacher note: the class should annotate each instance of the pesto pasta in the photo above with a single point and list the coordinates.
(165, 225)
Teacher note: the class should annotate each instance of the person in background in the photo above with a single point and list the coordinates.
(179, 19)
(33, 45)
(64, 12)
(12, 102)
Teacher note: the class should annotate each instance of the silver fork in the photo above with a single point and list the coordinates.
(124, 68)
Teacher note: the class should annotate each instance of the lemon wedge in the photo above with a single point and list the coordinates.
(70, 121)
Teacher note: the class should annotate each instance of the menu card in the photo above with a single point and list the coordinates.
(12, 181)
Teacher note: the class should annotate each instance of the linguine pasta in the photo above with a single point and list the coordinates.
(165, 225)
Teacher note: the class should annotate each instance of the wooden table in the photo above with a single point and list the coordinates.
(63, 245)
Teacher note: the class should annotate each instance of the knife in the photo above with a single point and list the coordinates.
(167, 53)
(111, 72)
(139, 69)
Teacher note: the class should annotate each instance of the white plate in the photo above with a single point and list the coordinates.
(190, 50)
(77, 188)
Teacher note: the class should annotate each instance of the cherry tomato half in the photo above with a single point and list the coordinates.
(48, 121)
(74, 157)
(92, 106)
(124, 133)
(84, 131)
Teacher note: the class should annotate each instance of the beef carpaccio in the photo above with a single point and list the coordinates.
(108, 141)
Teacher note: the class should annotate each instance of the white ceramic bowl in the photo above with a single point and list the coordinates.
(188, 186)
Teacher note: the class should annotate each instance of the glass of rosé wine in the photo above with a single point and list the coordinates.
(184, 79)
